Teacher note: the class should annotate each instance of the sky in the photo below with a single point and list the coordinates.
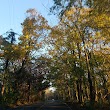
(13, 13)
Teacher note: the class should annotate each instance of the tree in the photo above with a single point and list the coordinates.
(77, 35)
(60, 6)
(21, 75)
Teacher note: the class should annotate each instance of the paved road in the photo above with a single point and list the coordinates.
(49, 105)
(55, 105)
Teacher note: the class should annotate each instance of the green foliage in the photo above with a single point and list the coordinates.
(80, 53)
(22, 76)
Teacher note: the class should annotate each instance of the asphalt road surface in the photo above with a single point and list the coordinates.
(55, 105)
(48, 105)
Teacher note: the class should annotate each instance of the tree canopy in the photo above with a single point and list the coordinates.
(77, 59)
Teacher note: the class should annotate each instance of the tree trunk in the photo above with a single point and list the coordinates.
(79, 91)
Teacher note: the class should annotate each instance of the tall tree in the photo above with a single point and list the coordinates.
(77, 34)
